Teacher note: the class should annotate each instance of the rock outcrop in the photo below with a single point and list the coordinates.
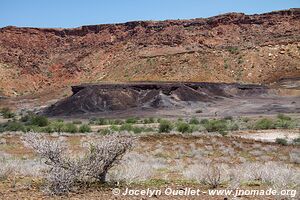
(96, 99)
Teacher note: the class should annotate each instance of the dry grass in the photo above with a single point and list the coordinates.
(179, 157)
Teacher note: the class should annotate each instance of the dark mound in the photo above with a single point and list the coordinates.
(91, 99)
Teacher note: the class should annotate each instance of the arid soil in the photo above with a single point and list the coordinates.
(233, 65)
(169, 155)
(232, 47)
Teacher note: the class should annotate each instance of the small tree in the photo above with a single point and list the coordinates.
(65, 170)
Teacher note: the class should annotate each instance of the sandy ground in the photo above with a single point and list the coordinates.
(252, 107)
(269, 135)
(173, 153)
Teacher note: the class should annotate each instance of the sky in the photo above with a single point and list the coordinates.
(75, 13)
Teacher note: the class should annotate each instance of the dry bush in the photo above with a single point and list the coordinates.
(66, 170)
(5, 171)
(212, 174)
(215, 174)
(134, 168)
(279, 176)
(270, 173)
(12, 166)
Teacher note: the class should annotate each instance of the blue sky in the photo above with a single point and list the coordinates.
(74, 13)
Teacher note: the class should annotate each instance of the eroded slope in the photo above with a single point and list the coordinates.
(227, 48)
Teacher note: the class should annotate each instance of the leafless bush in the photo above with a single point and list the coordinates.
(270, 173)
(253, 171)
(11, 166)
(212, 174)
(65, 170)
(279, 176)
(5, 171)
(134, 167)
(215, 173)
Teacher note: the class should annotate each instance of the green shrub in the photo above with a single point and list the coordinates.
(105, 131)
(281, 141)
(183, 127)
(149, 120)
(114, 128)
(101, 121)
(180, 120)
(204, 121)
(146, 121)
(34, 128)
(38, 120)
(193, 128)
(194, 121)
(284, 121)
(284, 117)
(85, 128)
(47, 129)
(148, 129)
(228, 118)
(116, 122)
(13, 126)
(296, 141)
(233, 50)
(131, 120)
(57, 126)
(92, 120)
(71, 128)
(126, 127)
(284, 124)
(137, 130)
(246, 119)
(25, 118)
(216, 126)
(165, 126)
(60, 120)
(2, 128)
(7, 113)
(233, 127)
(264, 124)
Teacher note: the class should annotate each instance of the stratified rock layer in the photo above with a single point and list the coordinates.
(232, 47)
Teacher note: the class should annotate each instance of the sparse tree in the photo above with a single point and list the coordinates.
(65, 170)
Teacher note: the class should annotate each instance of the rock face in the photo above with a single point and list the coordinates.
(91, 99)
(228, 48)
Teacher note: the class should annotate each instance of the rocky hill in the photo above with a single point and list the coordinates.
(232, 47)
(95, 99)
